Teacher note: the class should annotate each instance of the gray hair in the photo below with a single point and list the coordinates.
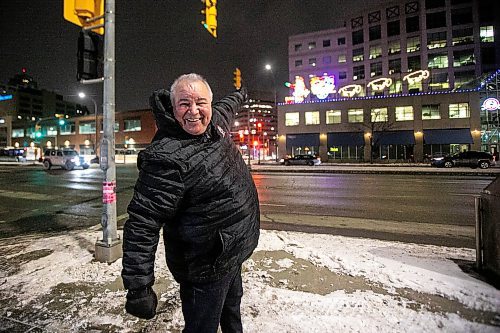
(188, 78)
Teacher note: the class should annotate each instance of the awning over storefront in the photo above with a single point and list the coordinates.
(394, 138)
(447, 136)
(302, 140)
(345, 139)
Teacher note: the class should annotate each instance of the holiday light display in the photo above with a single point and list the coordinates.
(322, 86)
(380, 84)
(490, 104)
(350, 90)
(417, 76)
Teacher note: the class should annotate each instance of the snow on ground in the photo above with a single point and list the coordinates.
(295, 282)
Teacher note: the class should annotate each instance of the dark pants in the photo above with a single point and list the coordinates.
(205, 305)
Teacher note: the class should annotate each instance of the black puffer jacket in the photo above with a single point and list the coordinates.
(200, 191)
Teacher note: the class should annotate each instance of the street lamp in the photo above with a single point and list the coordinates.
(82, 95)
(268, 67)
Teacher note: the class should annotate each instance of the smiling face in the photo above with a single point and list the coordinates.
(193, 106)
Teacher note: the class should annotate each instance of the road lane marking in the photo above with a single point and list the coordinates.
(26, 195)
(274, 205)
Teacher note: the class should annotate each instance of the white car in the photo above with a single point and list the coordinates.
(65, 158)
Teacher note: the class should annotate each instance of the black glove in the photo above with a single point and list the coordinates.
(142, 303)
(243, 90)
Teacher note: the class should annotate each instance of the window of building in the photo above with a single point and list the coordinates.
(393, 28)
(392, 12)
(342, 75)
(298, 63)
(68, 128)
(404, 113)
(327, 60)
(357, 22)
(341, 41)
(326, 43)
(430, 111)
(461, 16)
(374, 17)
(18, 132)
(298, 47)
(312, 117)
(435, 20)
(412, 44)
(357, 37)
(312, 61)
(394, 66)
(311, 45)
(486, 34)
(439, 81)
(131, 125)
(355, 115)
(436, 40)
(375, 51)
(333, 116)
(463, 58)
(375, 69)
(463, 77)
(396, 87)
(357, 55)
(394, 47)
(412, 24)
(459, 110)
(52, 131)
(379, 115)
(342, 58)
(462, 36)
(358, 72)
(429, 4)
(291, 119)
(414, 64)
(411, 7)
(375, 32)
(438, 60)
(86, 127)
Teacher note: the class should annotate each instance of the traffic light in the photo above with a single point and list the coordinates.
(62, 122)
(89, 48)
(80, 11)
(259, 127)
(210, 12)
(242, 137)
(38, 134)
(237, 78)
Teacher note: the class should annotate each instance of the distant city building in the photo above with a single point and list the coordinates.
(398, 82)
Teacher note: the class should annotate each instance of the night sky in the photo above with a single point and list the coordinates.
(157, 40)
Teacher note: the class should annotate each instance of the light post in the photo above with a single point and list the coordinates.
(270, 68)
(82, 95)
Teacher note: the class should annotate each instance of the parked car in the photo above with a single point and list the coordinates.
(473, 159)
(302, 160)
(65, 158)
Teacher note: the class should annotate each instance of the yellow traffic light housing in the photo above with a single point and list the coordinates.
(237, 78)
(80, 12)
(210, 12)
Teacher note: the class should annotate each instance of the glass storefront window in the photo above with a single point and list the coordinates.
(404, 113)
(18, 133)
(291, 119)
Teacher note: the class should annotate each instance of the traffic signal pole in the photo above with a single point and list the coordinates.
(109, 248)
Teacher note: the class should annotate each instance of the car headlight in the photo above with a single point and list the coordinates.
(438, 158)
(282, 160)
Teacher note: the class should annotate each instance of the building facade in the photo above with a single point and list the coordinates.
(359, 91)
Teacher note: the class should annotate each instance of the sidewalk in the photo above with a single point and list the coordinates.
(294, 282)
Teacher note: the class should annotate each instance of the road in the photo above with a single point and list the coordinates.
(433, 209)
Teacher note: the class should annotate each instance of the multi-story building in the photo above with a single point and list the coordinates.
(388, 83)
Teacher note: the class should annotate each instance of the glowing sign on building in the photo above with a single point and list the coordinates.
(380, 84)
(490, 104)
(5, 97)
(299, 89)
(417, 76)
(322, 86)
(350, 90)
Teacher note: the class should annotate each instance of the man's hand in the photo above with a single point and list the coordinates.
(243, 90)
(142, 303)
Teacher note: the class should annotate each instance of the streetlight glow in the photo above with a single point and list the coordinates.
(268, 67)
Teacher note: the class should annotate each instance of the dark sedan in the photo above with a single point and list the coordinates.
(473, 159)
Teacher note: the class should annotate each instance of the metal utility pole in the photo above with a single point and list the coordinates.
(109, 248)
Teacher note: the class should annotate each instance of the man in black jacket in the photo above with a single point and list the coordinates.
(194, 184)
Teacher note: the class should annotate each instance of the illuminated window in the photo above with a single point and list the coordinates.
(52, 130)
(463, 77)
(436, 40)
(298, 47)
(326, 43)
(462, 36)
(86, 128)
(394, 66)
(379, 115)
(412, 44)
(430, 111)
(312, 118)
(357, 55)
(404, 113)
(18, 133)
(358, 72)
(342, 58)
(355, 115)
(298, 63)
(396, 87)
(131, 125)
(375, 52)
(67, 128)
(438, 60)
(459, 110)
(375, 69)
(463, 58)
(486, 34)
(394, 47)
(393, 28)
(439, 81)
(311, 45)
(312, 61)
(291, 119)
(333, 117)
